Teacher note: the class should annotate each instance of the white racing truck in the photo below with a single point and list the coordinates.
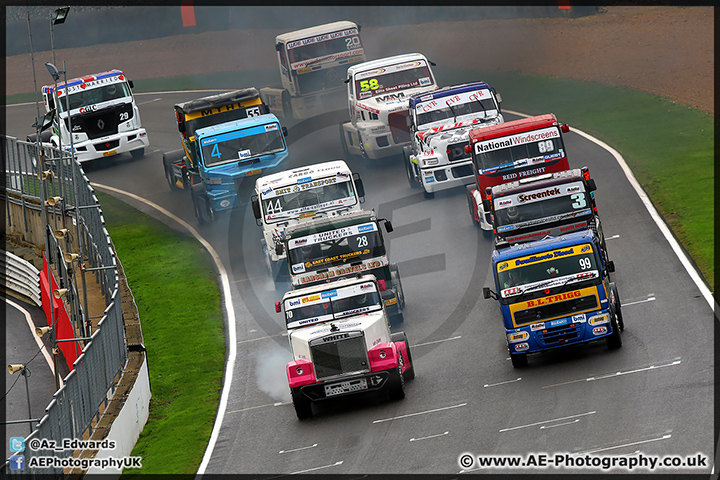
(313, 65)
(341, 343)
(377, 95)
(103, 117)
(302, 194)
(440, 124)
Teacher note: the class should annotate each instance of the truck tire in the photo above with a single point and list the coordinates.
(618, 307)
(343, 142)
(428, 195)
(169, 159)
(302, 404)
(401, 337)
(468, 193)
(395, 277)
(396, 384)
(410, 171)
(203, 211)
(614, 340)
(518, 360)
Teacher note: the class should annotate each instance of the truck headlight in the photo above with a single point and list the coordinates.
(517, 337)
(430, 161)
(382, 354)
(599, 319)
(299, 370)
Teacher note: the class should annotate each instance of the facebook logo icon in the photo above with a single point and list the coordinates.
(17, 462)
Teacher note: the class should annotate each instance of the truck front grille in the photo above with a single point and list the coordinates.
(559, 334)
(103, 122)
(336, 355)
(456, 152)
(556, 310)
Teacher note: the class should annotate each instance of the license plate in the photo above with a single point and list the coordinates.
(345, 387)
(110, 152)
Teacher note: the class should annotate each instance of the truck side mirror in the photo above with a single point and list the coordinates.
(409, 120)
(565, 128)
(285, 131)
(610, 266)
(359, 187)
(278, 47)
(277, 307)
(279, 248)
(591, 185)
(388, 226)
(381, 285)
(181, 127)
(486, 204)
(255, 206)
(487, 293)
(498, 97)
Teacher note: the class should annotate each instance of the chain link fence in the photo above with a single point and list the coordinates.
(50, 201)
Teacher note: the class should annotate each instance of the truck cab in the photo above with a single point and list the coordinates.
(299, 195)
(550, 204)
(313, 64)
(341, 343)
(101, 112)
(181, 164)
(326, 249)
(377, 100)
(227, 154)
(440, 123)
(512, 151)
(555, 292)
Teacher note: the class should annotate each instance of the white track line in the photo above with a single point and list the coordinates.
(229, 308)
(547, 421)
(419, 413)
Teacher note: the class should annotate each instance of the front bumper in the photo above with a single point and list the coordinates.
(340, 387)
(443, 177)
(380, 145)
(111, 145)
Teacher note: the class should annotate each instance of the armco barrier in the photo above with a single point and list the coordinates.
(100, 380)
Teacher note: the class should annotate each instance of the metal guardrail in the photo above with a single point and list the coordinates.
(76, 406)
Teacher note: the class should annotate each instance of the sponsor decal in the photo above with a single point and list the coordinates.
(518, 139)
(300, 66)
(368, 108)
(294, 303)
(578, 318)
(366, 228)
(94, 83)
(272, 127)
(572, 189)
(553, 299)
(521, 347)
(250, 173)
(550, 192)
(390, 301)
(306, 215)
(329, 294)
(336, 337)
(545, 256)
(298, 268)
(300, 181)
(322, 38)
(244, 154)
(502, 266)
(555, 323)
(600, 330)
(310, 298)
(537, 326)
(340, 271)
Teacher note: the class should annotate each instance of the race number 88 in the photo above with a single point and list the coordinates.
(371, 84)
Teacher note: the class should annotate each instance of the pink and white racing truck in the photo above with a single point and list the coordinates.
(341, 344)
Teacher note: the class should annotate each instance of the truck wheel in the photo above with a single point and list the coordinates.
(170, 179)
(614, 340)
(395, 276)
(518, 360)
(137, 154)
(618, 307)
(401, 337)
(302, 404)
(468, 193)
(410, 171)
(343, 142)
(428, 195)
(169, 159)
(203, 211)
(396, 385)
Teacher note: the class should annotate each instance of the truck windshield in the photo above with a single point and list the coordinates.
(242, 145)
(336, 247)
(542, 271)
(458, 107)
(540, 206)
(322, 195)
(371, 84)
(546, 143)
(332, 305)
(89, 98)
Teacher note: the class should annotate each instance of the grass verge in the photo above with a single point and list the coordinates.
(668, 146)
(176, 290)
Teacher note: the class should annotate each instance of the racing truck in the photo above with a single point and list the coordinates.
(100, 112)
(555, 292)
(341, 343)
(326, 249)
(228, 153)
(378, 93)
(299, 195)
(182, 165)
(550, 204)
(313, 65)
(512, 151)
(440, 123)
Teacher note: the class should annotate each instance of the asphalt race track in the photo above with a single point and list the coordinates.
(653, 396)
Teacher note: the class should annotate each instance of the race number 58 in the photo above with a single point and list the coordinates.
(371, 84)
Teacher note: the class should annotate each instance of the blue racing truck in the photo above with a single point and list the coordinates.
(228, 153)
(555, 292)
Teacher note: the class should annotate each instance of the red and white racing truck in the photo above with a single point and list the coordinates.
(513, 151)
(341, 344)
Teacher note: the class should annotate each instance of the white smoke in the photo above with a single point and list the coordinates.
(270, 366)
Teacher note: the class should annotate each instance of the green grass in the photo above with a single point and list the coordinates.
(176, 290)
(668, 146)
